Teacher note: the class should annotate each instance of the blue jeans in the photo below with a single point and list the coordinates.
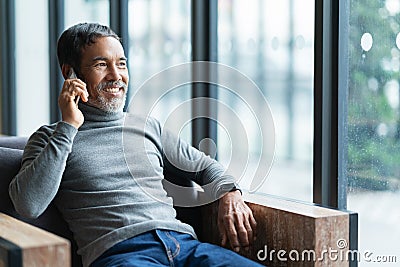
(168, 248)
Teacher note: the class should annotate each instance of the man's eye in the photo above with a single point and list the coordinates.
(122, 63)
(101, 64)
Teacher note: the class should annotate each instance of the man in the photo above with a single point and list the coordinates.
(80, 164)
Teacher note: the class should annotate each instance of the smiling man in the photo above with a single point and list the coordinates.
(79, 163)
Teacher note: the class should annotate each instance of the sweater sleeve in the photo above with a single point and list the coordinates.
(42, 168)
(183, 161)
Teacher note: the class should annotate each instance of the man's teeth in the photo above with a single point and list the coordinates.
(112, 90)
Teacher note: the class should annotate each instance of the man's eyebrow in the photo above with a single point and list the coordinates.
(100, 58)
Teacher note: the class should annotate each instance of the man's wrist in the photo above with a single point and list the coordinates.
(228, 188)
(236, 188)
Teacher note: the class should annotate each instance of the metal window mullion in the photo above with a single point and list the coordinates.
(204, 22)
(56, 27)
(330, 110)
(343, 78)
(8, 75)
(342, 104)
(326, 104)
(119, 24)
(204, 48)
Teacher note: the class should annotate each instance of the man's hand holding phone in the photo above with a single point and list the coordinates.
(72, 91)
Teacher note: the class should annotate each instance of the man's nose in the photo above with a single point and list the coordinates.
(114, 74)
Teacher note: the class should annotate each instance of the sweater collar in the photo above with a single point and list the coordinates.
(94, 114)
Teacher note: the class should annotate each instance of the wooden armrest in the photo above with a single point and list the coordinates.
(22, 244)
(291, 233)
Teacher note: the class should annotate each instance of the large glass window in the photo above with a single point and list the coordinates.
(32, 59)
(87, 11)
(159, 33)
(272, 43)
(374, 124)
(32, 65)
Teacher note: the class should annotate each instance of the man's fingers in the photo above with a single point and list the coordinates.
(224, 239)
(74, 88)
(222, 232)
(71, 96)
(250, 224)
(253, 224)
(250, 232)
(83, 94)
(238, 221)
(242, 227)
(231, 232)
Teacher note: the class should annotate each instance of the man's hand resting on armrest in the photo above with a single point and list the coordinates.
(236, 222)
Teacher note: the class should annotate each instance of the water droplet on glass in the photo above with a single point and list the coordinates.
(366, 41)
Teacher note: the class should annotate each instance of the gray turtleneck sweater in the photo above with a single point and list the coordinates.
(106, 178)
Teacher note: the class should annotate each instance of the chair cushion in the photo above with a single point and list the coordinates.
(51, 220)
(17, 142)
(10, 162)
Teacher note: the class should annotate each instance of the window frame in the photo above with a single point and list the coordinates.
(326, 189)
(8, 74)
(330, 111)
(119, 24)
(204, 41)
(56, 27)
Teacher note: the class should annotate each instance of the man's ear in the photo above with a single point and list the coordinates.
(65, 70)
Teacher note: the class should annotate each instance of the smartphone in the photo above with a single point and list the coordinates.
(72, 75)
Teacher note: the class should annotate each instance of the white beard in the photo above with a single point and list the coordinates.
(116, 104)
(113, 105)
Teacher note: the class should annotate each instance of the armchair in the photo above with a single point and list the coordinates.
(289, 233)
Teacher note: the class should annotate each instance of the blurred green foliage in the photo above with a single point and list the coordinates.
(373, 98)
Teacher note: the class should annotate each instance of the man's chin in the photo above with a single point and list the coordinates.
(110, 106)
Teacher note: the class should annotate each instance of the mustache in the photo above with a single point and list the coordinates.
(105, 85)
